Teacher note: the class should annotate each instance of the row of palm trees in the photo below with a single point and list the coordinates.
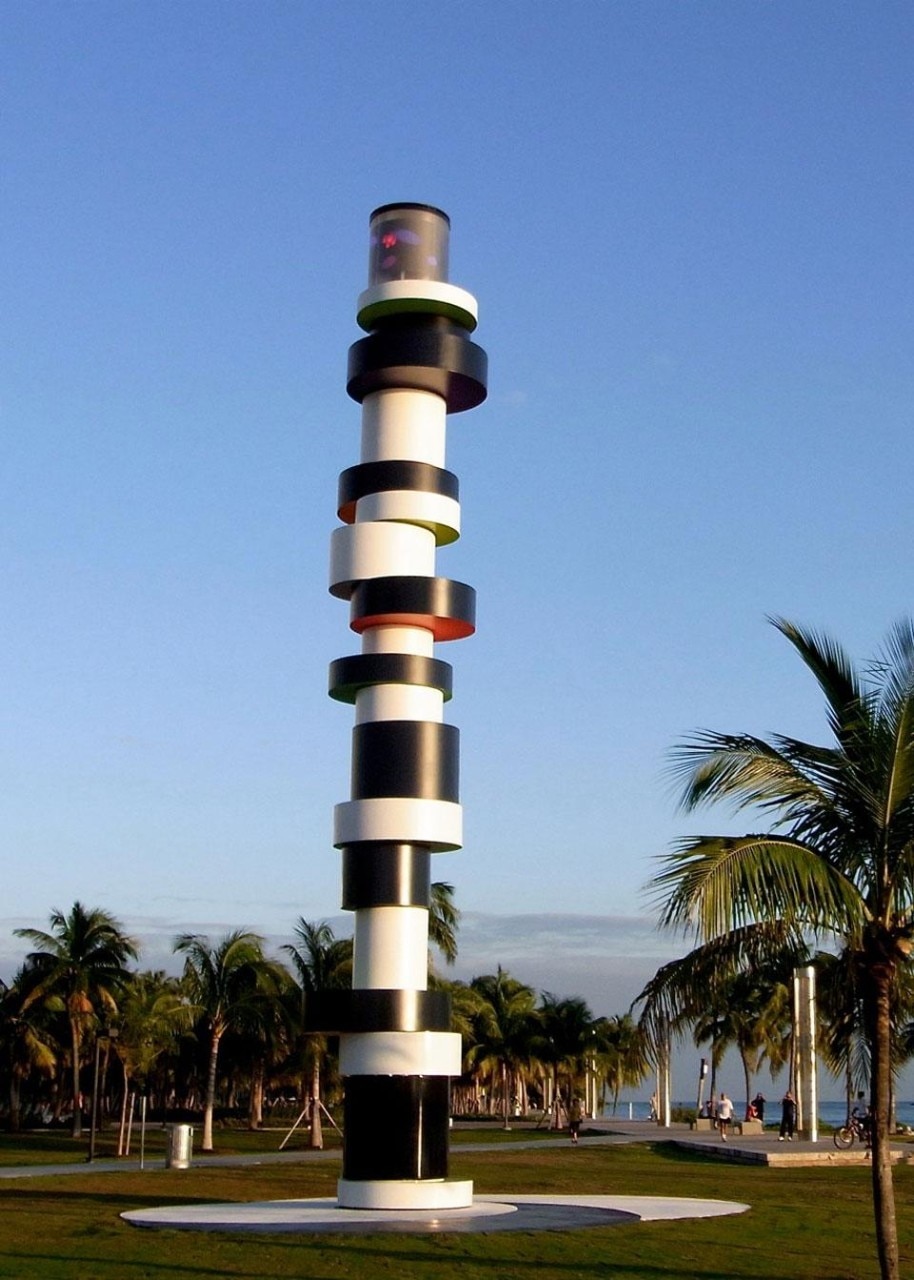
(233, 1026)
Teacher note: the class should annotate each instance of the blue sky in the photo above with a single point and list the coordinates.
(688, 228)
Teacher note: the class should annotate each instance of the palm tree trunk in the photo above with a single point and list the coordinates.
(317, 1133)
(122, 1127)
(210, 1100)
(106, 1057)
(255, 1100)
(556, 1099)
(77, 1121)
(15, 1122)
(878, 1000)
(747, 1076)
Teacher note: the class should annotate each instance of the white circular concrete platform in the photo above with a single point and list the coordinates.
(487, 1213)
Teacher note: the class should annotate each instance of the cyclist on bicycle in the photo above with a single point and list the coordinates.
(862, 1116)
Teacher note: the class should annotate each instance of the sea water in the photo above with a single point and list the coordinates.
(831, 1113)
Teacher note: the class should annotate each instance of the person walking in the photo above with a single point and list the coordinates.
(575, 1117)
(724, 1115)
(759, 1103)
(788, 1117)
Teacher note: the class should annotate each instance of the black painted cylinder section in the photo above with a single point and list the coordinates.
(396, 1127)
(386, 875)
(377, 1009)
(415, 758)
(362, 670)
(430, 354)
(447, 607)
(380, 477)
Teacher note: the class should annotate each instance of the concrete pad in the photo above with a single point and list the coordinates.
(645, 1208)
(486, 1214)
(799, 1154)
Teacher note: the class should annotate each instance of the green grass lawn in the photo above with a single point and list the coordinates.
(804, 1224)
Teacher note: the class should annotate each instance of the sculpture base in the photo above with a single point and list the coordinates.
(404, 1194)
(486, 1214)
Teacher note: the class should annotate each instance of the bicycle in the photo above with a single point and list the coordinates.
(856, 1130)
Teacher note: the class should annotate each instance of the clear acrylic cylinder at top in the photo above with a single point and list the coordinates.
(408, 242)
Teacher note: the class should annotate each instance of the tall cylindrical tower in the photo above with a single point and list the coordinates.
(397, 506)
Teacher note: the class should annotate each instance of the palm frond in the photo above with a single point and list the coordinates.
(715, 884)
(845, 695)
(742, 770)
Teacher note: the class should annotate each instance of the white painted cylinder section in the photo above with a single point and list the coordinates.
(390, 949)
(401, 1053)
(399, 640)
(434, 511)
(394, 1193)
(378, 550)
(404, 425)
(396, 295)
(398, 702)
(403, 820)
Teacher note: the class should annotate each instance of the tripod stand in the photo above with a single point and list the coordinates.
(305, 1111)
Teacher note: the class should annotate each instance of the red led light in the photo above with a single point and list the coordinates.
(388, 240)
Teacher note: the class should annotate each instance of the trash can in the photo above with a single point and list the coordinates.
(179, 1146)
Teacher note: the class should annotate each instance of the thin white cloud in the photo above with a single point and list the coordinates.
(604, 959)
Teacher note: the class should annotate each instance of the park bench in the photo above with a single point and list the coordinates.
(744, 1128)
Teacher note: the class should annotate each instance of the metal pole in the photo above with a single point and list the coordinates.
(702, 1076)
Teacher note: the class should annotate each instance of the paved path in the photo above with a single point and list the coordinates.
(305, 1156)
(761, 1149)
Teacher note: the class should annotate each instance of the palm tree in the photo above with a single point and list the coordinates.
(842, 1040)
(568, 1037)
(840, 858)
(443, 919)
(621, 1054)
(506, 1030)
(758, 1020)
(152, 1014)
(83, 959)
(468, 1010)
(27, 1041)
(225, 981)
(321, 962)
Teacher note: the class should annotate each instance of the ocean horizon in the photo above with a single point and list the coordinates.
(830, 1112)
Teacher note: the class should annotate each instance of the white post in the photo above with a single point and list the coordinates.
(664, 1056)
(805, 1065)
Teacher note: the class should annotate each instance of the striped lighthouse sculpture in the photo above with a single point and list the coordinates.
(399, 504)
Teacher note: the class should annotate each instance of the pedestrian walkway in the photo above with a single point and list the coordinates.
(764, 1148)
(755, 1149)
